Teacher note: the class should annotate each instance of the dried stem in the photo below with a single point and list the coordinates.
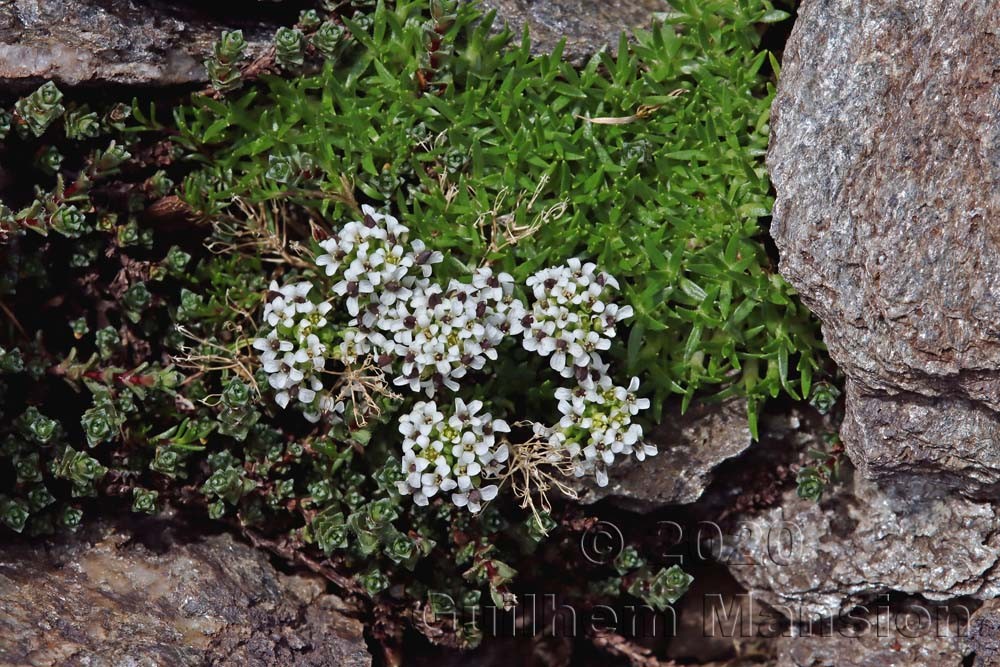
(362, 385)
(504, 231)
(535, 468)
(212, 356)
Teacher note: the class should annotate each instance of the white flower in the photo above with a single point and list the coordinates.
(334, 253)
(424, 258)
(437, 479)
(271, 345)
(644, 450)
(279, 312)
(317, 316)
(373, 266)
(474, 498)
(285, 373)
(312, 352)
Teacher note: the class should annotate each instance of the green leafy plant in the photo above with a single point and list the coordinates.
(649, 163)
(36, 112)
(662, 589)
(814, 480)
(224, 65)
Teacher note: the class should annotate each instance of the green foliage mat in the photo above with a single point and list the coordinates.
(648, 164)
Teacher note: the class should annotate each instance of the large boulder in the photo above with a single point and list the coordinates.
(107, 597)
(885, 155)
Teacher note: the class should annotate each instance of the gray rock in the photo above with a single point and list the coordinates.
(812, 561)
(588, 26)
(984, 635)
(885, 155)
(945, 439)
(102, 599)
(690, 447)
(109, 41)
(915, 637)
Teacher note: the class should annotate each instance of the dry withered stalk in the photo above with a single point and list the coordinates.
(501, 230)
(534, 468)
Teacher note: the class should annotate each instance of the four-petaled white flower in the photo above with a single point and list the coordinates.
(474, 498)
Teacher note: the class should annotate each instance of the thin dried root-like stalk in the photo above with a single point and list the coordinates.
(261, 230)
(536, 467)
(504, 231)
(218, 358)
(362, 385)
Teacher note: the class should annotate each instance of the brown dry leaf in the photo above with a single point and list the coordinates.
(644, 111)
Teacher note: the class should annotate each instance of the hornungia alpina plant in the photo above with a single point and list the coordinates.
(651, 159)
(645, 167)
(429, 338)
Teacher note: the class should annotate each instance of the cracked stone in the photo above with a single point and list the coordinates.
(690, 447)
(112, 41)
(947, 440)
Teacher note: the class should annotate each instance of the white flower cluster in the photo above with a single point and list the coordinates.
(442, 333)
(597, 425)
(428, 337)
(291, 351)
(572, 321)
(439, 333)
(572, 318)
(452, 451)
(374, 266)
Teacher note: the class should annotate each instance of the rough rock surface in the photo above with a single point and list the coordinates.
(101, 598)
(690, 447)
(588, 26)
(111, 41)
(885, 155)
(984, 635)
(810, 560)
(918, 637)
(947, 440)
